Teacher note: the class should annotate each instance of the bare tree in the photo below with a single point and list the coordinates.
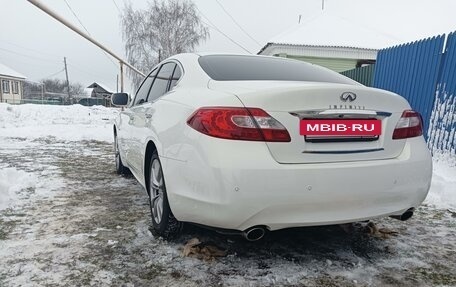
(163, 29)
(53, 89)
(60, 86)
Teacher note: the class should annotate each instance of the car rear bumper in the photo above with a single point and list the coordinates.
(225, 188)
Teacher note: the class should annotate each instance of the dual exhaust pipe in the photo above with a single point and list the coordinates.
(256, 233)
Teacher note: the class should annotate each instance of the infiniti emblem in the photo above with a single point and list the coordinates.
(348, 96)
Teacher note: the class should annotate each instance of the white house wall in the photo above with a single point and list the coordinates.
(10, 97)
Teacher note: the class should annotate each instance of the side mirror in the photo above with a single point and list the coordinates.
(119, 99)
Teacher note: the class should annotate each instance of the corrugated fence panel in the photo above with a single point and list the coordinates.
(411, 70)
(442, 131)
(363, 75)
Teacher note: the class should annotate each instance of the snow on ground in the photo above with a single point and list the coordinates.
(71, 220)
(32, 124)
(68, 123)
(443, 187)
(12, 182)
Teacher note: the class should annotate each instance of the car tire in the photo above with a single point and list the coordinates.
(120, 168)
(164, 223)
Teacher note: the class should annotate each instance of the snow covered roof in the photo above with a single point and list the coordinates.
(88, 91)
(7, 71)
(327, 30)
(101, 85)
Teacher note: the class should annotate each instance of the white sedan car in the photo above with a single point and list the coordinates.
(250, 143)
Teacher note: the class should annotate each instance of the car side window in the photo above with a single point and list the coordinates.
(160, 85)
(143, 91)
(176, 77)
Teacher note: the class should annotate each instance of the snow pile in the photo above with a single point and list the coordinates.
(443, 187)
(442, 142)
(442, 127)
(12, 182)
(67, 123)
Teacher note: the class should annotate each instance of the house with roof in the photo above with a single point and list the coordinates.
(99, 94)
(11, 85)
(330, 41)
(100, 90)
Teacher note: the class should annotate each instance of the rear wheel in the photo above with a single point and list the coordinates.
(120, 168)
(164, 223)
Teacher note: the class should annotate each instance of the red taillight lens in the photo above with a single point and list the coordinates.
(250, 124)
(409, 125)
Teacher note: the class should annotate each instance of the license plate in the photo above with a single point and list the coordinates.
(340, 127)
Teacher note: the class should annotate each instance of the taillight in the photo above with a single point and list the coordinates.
(250, 124)
(409, 125)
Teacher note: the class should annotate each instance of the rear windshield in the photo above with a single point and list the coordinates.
(253, 68)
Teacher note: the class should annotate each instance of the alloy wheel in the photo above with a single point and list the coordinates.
(156, 191)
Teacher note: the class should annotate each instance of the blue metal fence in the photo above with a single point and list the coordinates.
(411, 70)
(424, 72)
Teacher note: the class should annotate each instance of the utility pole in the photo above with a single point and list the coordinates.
(322, 4)
(121, 77)
(67, 81)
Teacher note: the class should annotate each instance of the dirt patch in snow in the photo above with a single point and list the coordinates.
(83, 225)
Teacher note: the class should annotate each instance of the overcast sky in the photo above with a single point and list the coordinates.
(34, 44)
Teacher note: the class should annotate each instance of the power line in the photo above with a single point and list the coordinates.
(55, 74)
(76, 16)
(117, 6)
(31, 64)
(237, 24)
(226, 36)
(80, 22)
(23, 55)
(32, 57)
(213, 26)
(87, 72)
(27, 48)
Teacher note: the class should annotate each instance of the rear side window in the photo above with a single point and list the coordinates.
(160, 85)
(254, 68)
(176, 77)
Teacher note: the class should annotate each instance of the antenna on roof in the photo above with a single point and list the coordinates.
(299, 20)
(322, 5)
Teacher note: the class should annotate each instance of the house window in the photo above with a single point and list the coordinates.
(15, 87)
(6, 86)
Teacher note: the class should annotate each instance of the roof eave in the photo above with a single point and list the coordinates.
(316, 46)
(14, 77)
(264, 48)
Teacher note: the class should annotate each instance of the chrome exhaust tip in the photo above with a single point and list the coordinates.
(404, 216)
(254, 233)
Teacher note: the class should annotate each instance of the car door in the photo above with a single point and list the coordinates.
(130, 122)
(143, 127)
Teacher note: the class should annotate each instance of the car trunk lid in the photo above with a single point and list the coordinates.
(291, 102)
